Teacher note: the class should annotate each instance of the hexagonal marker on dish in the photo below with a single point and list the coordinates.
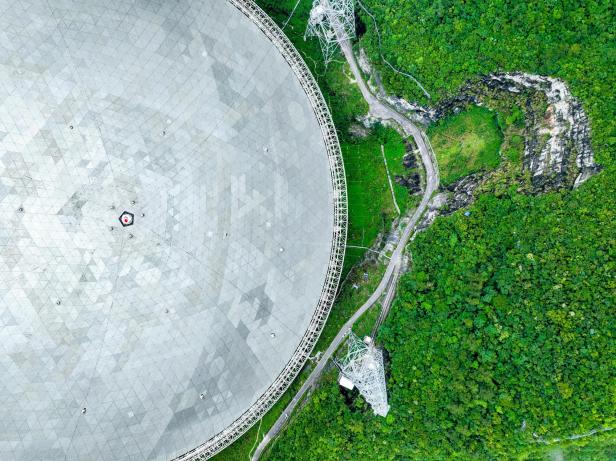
(127, 219)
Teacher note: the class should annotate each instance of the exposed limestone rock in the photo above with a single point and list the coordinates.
(369, 121)
(364, 62)
(411, 182)
(462, 192)
(358, 131)
(457, 195)
(557, 150)
(567, 129)
(438, 202)
(410, 158)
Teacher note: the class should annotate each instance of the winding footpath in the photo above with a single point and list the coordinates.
(388, 284)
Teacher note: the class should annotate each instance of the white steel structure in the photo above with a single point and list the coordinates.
(331, 21)
(174, 221)
(363, 366)
(328, 294)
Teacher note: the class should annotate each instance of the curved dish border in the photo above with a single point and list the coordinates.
(336, 256)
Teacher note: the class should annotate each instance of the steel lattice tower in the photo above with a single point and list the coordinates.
(331, 21)
(363, 366)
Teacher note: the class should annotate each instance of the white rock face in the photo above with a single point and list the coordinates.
(568, 127)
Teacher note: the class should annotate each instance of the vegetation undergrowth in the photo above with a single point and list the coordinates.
(371, 206)
(395, 150)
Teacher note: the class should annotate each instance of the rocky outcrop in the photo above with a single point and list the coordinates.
(411, 180)
(565, 158)
(359, 131)
(435, 208)
(455, 196)
(557, 151)
(462, 192)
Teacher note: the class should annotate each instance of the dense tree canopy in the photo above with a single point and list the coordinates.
(504, 328)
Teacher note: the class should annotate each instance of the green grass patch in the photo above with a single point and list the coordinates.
(466, 143)
(394, 149)
(371, 206)
(370, 203)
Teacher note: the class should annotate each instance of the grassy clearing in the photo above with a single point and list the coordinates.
(466, 143)
(395, 148)
(370, 202)
(371, 207)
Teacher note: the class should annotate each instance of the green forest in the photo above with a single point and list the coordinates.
(501, 330)
(501, 339)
